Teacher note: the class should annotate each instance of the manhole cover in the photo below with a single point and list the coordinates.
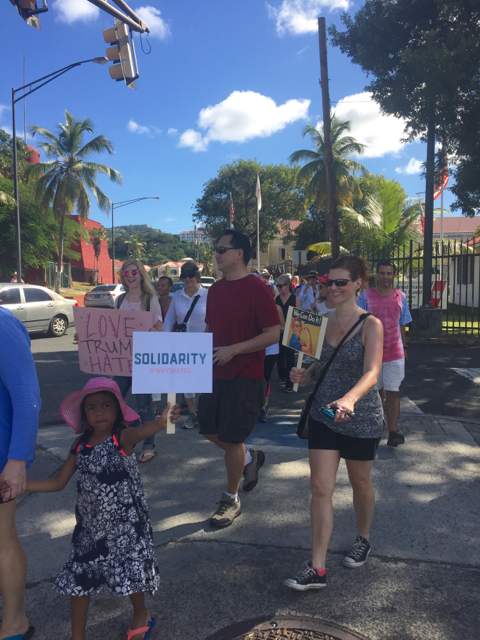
(286, 628)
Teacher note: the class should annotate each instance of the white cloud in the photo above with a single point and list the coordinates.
(71, 11)
(240, 117)
(157, 25)
(413, 167)
(134, 127)
(300, 16)
(172, 131)
(382, 133)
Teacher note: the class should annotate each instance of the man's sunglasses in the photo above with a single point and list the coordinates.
(339, 282)
(133, 272)
(222, 250)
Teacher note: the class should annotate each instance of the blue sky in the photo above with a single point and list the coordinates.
(224, 80)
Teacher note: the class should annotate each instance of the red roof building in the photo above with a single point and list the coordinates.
(455, 227)
(82, 269)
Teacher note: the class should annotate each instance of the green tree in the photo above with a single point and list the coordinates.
(97, 235)
(313, 174)
(282, 199)
(39, 231)
(136, 247)
(65, 181)
(167, 272)
(425, 60)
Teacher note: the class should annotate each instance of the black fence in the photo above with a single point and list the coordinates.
(455, 286)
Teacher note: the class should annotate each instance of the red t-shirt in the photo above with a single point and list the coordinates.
(238, 310)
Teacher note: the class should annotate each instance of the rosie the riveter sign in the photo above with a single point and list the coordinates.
(172, 362)
(105, 339)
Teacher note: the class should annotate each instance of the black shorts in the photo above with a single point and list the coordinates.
(322, 437)
(231, 410)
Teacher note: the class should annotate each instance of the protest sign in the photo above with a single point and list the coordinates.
(105, 339)
(304, 332)
(172, 362)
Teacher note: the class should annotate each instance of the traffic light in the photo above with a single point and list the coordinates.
(28, 9)
(121, 54)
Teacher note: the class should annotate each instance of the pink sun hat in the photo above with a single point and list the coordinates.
(70, 407)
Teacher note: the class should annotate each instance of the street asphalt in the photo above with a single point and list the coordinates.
(421, 581)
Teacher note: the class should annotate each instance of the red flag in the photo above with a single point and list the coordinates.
(441, 179)
(231, 211)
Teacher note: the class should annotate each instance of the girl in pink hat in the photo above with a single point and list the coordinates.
(112, 543)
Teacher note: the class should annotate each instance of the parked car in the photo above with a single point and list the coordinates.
(104, 295)
(207, 281)
(176, 287)
(38, 308)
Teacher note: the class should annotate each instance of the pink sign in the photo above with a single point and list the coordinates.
(105, 339)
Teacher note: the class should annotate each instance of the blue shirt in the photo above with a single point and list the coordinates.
(19, 392)
(294, 342)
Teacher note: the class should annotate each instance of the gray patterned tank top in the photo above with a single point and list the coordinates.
(343, 374)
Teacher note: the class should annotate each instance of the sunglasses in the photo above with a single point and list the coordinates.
(188, 275)
(339, 282)
(279, 286)
(133, 272)
(222, 250)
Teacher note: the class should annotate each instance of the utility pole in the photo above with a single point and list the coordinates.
(428, 237)
(327, 138)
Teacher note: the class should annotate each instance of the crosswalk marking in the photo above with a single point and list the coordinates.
(471, 374)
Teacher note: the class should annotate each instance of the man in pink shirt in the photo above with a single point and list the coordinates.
(390, 306)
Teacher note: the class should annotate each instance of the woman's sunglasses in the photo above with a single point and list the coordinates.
(339, 282)
(133, 272)
(222, 250)
(279, 286)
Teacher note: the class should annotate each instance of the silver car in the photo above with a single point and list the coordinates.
(38, 308)
(103, 295)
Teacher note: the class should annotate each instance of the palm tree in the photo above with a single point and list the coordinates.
(314, 173)
(64, 182)
(136, 247)
(97, 235)
(386, 221)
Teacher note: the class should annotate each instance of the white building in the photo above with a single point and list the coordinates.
(200, 236)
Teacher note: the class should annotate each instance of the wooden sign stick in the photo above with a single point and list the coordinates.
(171, 398)
(299, 366)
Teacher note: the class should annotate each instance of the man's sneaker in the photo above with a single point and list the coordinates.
(228, 510)
(307, 578)
(262, 416)
(358, 554)
(288, 390)
(395, 438)
(191, 422)
(250, 470)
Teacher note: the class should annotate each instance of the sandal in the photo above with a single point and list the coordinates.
(147, 456)
(145, 630)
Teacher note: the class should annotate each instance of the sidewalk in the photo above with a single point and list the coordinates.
(421, 581)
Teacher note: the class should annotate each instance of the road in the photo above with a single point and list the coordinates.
(431, 382)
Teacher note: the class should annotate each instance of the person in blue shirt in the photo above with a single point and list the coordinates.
(20, 406)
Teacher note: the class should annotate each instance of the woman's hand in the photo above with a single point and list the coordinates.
(297, 376)
(75, 339)
(345, 407)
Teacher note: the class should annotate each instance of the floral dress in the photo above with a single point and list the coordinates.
(112, 543)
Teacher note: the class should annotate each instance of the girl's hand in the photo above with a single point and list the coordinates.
(298, 375)
(174, 415)
(14, 475)
(75, 339)
(4, 488)
(344, 408)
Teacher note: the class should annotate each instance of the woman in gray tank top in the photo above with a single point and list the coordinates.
(357, 424)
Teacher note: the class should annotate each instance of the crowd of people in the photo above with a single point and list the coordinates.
(112, 546)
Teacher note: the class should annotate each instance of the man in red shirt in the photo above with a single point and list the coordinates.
(243, 318)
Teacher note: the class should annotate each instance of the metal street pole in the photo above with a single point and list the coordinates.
(48, 78)
(124, 203)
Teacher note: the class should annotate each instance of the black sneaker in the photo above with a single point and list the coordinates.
(288, 390)
(227, 511)
(395, 438)
(250, 471)
(307, 578)
(358, 554)
(262, 416)
(281, 381)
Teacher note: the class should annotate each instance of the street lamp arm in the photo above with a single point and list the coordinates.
(48, 78)
(124, 203)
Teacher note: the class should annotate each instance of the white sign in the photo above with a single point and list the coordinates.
(172, 362)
